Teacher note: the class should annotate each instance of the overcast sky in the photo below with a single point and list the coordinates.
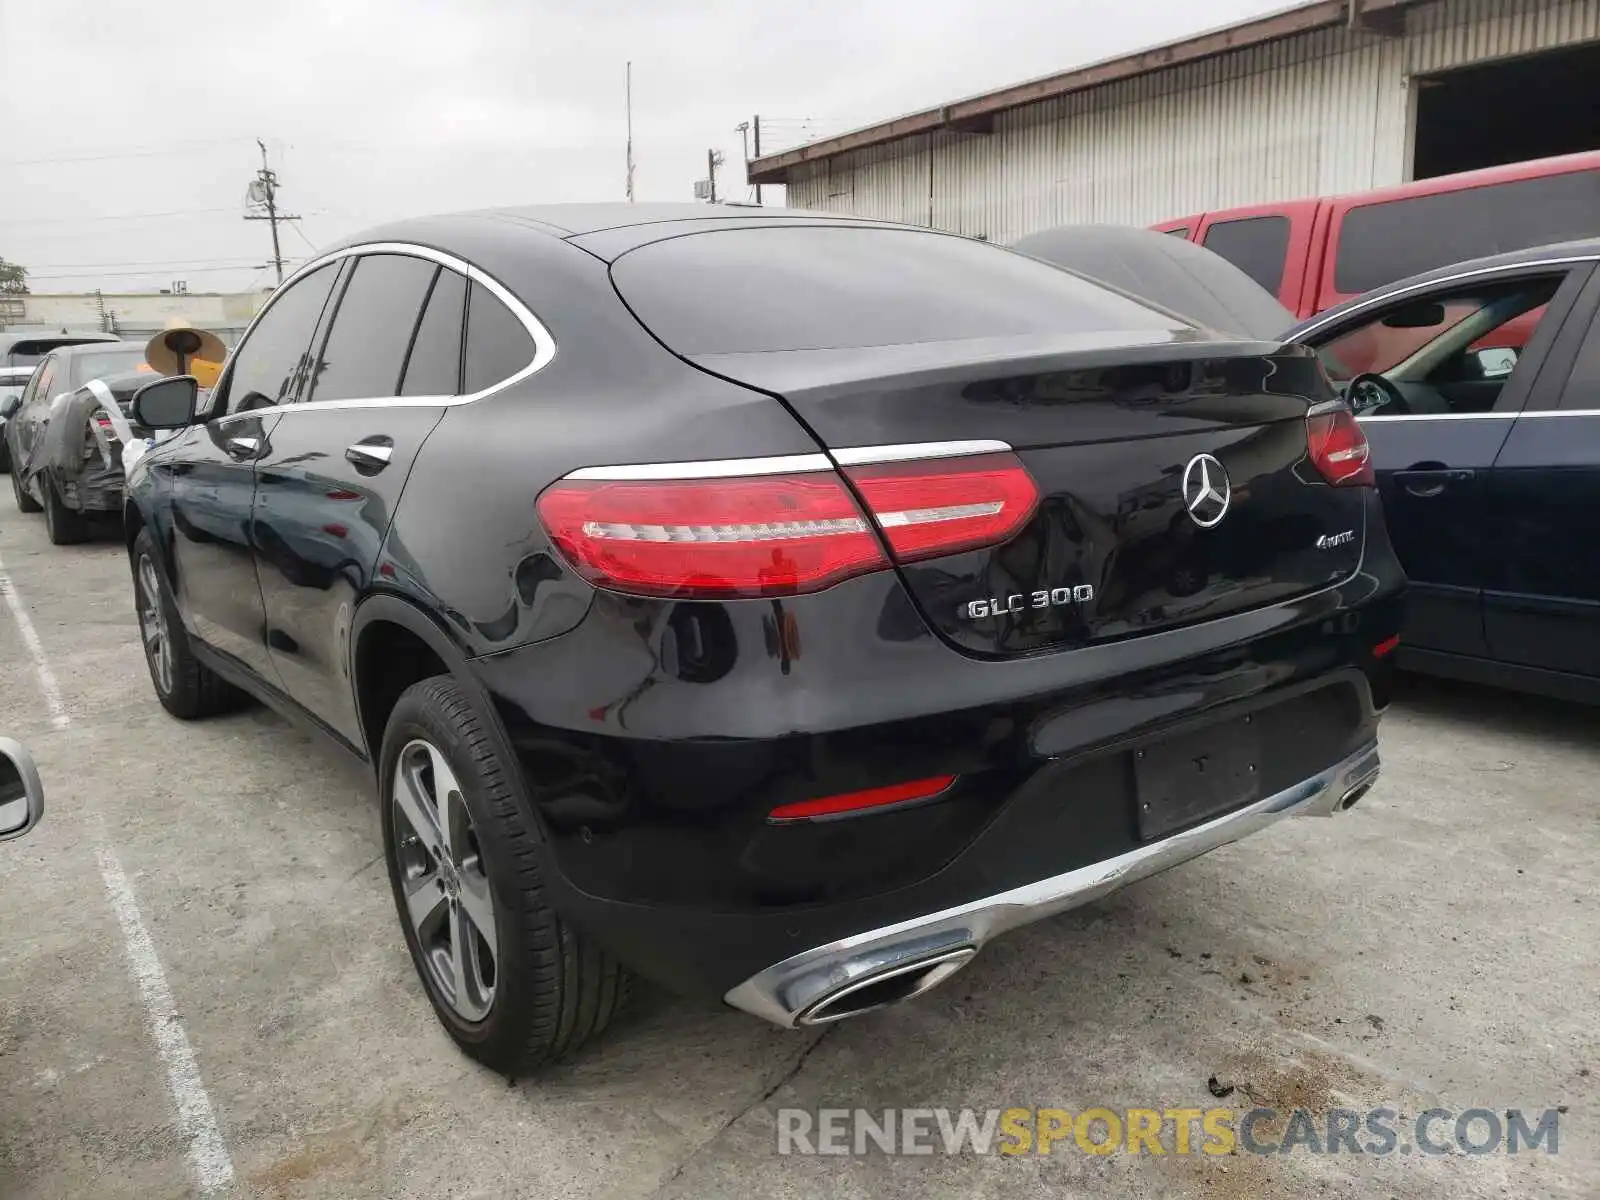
(374, 109)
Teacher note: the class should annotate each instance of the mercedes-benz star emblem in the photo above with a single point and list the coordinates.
(1206, 490)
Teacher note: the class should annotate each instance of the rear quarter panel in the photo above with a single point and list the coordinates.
(466, 542)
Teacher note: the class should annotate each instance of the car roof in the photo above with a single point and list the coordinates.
(571, 220)
(95, 347)
(605, 230)
(1584, 249)
(13, 337)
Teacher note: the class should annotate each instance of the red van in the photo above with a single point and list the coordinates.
(1312, 254)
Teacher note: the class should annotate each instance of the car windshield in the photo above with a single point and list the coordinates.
(101, 363)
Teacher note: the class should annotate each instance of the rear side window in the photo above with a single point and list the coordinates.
(1379, 243)
(498, 344)
(1256, 245)
(372, 327)
(813, 287)
(40, 383)
(434, 365)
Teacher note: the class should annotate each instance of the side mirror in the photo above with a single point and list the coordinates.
(9, 403)
(21, 793)
(167, 403)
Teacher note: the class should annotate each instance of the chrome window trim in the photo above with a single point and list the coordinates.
(543, 341)
(859, 456)
(1488, 416)
(1480, 272)
(724, 468)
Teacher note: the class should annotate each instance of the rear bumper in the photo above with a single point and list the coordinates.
(655, 738)
(836, 980)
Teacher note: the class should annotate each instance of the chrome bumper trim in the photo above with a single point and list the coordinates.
(786, 991)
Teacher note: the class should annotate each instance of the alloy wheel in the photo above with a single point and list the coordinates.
(153, 625)
(448, 900)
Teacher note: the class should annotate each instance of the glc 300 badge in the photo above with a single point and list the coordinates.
(1059, 597)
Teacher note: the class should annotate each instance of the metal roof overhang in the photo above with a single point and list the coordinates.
(976, 114)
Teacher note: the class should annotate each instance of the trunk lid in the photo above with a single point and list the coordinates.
(885, 337)
(1174, 481)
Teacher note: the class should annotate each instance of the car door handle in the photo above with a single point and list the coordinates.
(1433, 481)
(373, 454)
(243, 447)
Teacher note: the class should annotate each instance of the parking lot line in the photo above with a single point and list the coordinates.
(41, 666)
(197, 1120)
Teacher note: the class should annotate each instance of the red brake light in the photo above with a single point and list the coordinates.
(770, 535)
(935, 507)
(778, 534)
(1339, 449)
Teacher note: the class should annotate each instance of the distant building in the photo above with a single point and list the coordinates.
(1327, 97)
(133, 315)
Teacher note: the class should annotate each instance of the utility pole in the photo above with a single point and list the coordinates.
(630, 132)
(713, 161)
(758, 153)
(264, 191)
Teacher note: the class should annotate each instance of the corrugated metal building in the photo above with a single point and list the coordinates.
(1329, 97)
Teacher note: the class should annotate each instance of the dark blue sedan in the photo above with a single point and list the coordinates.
(1478, 386)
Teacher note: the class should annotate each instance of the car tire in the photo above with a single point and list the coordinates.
(25, 502)
(62, 525)
(186, 687)
(5, 455)
(550, 989)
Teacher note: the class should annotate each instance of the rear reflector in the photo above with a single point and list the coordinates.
(849, 802)
(778, 534)
(1388, 646)
(1338, 448)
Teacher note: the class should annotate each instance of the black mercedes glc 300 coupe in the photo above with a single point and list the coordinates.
(773, 605)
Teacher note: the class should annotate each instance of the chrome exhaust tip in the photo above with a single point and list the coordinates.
(1353, 797)
(887, 987)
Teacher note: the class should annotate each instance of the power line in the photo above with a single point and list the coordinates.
(309, 243)
(142, 152)
(161, 262)
(186, 270)
(177, 212)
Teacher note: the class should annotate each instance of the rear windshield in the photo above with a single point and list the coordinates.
(100, 363)
(814, 287)
(1379, 243)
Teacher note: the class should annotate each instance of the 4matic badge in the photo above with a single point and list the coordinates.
(1059, 597)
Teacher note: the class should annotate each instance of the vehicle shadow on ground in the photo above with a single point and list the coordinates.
(1507, 712)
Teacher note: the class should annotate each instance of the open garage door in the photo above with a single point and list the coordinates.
(1508, 111)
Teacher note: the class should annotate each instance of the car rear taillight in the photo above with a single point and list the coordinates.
(932, 508)
(733, 535)
(1338, 448)
(770, 535)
